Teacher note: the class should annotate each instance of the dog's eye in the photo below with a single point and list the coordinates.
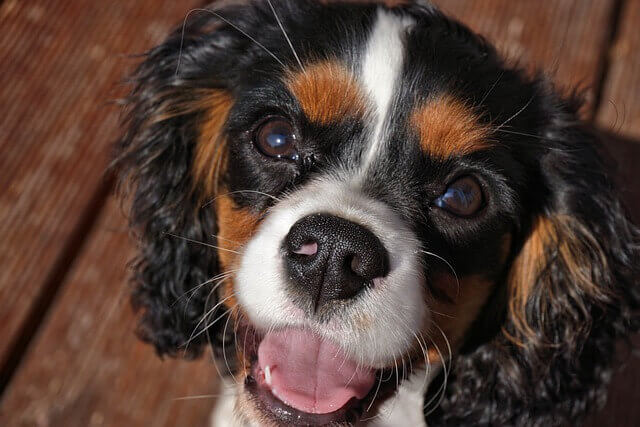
(462, 198)
(276, 138)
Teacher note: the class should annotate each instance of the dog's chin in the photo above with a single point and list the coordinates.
(296, 378)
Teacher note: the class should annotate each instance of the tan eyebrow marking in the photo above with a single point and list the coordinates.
(327, 92)
(447, 127)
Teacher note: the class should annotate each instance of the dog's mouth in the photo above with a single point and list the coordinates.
(297, 377)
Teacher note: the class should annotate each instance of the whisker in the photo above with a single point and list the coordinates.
(520, 111)
(493, 86)
(224, 353)
(395, 363)
(398, 379)
(194, 289)
(262, 193)
(231, 24)
(203, 319)
(352, 375)
(211, 292)
(225, 275)
(448, 264)
(286, 36)
(203, 396)
(538, 137)
(375, 394)
(447, 370)
(213, 355)
(446, 340)
(389, 377)
(226, 240)
(410, 362)
(442, 388)
(202, 243)
(244, 349)
(442, 314)
(396, 396)
(426, 357)
(530, 135)
(228, 311)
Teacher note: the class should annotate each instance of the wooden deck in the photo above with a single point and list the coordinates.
(68, 356)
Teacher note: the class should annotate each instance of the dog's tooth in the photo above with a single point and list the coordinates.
(267, 375)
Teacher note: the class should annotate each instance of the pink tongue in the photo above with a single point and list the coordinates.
(309, 374)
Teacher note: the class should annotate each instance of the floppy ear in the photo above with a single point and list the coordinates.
(571, 291)
(170, 157)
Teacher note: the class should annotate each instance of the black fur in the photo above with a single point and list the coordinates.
(545, 164)
(562, 373)
(155, 158)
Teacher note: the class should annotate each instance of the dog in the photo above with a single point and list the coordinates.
(371, 218)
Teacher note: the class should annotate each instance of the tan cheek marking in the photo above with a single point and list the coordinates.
(235, 228)
(447, 127)
(456, 318)
(210, 154)
(327, 92)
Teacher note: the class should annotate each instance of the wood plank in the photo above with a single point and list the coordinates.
(565, 38)
(59, 68)
(87, 367)
(620, 107)
(619, 113)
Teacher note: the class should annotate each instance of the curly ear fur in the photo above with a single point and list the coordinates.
(166, 175)
(571, 292)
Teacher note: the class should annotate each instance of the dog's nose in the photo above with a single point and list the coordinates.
(331, 258)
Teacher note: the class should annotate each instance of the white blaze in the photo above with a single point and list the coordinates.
(381, 72)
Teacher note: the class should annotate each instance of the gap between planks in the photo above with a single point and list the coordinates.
(72, 247)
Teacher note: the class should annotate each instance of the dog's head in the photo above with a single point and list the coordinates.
(339, 195)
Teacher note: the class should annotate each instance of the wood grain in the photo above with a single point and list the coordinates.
(620, 108)
(86, 367)
(60, 67)
(564, 38)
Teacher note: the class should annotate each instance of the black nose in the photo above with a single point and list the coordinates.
(331, 258)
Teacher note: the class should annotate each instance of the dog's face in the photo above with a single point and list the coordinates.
(380, 193)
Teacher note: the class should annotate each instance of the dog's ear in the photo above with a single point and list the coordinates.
(170, 160)
(573, 286)
(574, 281)
(571, 292)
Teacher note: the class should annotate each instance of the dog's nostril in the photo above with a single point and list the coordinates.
(355, 264)
(309, 249)
(332, 258)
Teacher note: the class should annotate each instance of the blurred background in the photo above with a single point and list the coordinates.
(68, 355)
